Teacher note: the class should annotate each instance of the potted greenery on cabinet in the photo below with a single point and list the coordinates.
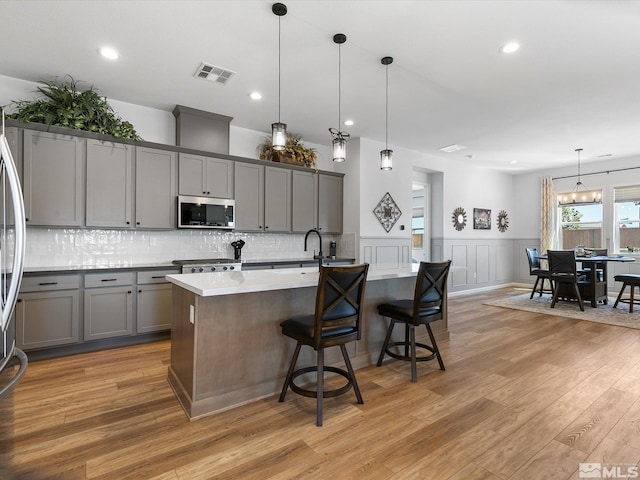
(61, 103)
(294, 152)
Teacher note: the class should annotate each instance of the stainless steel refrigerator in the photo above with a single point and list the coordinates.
(13, 361)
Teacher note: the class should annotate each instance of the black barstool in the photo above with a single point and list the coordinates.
(631, 280)
(336, 322)
(426, 307)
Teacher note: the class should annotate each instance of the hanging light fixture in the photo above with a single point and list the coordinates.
(340, 139)
(279, 129)
(386, 155)
(580, 195)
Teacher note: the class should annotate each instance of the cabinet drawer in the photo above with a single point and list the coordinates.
(50, 282)
(112, 279)
(156, 276)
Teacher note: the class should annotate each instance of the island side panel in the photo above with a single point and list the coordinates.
(181, 370)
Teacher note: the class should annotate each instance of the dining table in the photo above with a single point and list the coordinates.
(595, 269)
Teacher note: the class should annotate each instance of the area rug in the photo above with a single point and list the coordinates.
(602, 314)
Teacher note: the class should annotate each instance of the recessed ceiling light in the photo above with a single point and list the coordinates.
(510, 47)
(255, 96)
(348, 123)
(108, 52)
(513, 162)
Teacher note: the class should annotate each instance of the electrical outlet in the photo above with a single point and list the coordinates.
(192, 314)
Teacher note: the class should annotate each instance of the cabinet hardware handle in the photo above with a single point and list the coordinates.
(208, 193)
(139, 291)
(26, 219)
(158, 276)
(48, 283)
(137, 223)
(19, 300)
(109, 279)
(128, 223)
(129, 291)
(266, 226)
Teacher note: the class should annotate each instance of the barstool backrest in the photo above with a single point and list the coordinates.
(534, 260)
(562, 262)
(339, 303)
(431, 288)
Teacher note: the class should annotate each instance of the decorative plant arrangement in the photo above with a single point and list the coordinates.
(62, 104)
(294, 152)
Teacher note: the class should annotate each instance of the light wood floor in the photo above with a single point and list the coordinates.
(525, 396)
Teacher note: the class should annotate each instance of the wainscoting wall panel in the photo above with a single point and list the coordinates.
(385, 253)
(483, 274)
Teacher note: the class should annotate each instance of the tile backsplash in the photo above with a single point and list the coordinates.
(83, 247)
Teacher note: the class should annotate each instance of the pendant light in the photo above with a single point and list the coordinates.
(386, 155)
(580, 195)
(339, 138)
(279, 129)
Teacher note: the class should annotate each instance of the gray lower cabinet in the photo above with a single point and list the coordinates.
(154, 311)
(205, 176)
(54, 170)
(108, 305)
(109, 184)
(48, 311)
(156, 188)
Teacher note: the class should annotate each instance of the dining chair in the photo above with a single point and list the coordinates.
(563, 272)
(427, 306)
(540, 273)
(336, 322)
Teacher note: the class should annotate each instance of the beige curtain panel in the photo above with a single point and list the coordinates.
(548, 217)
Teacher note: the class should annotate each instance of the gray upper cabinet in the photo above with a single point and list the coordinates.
(14, 139)
(249, 195)
(304, 202)
(156, 188)
(330, 203)
(109, 184)
(205, 176)
(54, 167)
(277, 199)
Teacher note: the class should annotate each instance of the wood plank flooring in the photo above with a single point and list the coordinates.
(525, 396)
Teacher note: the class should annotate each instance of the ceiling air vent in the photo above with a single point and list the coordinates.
(453, 148)
(215, 74)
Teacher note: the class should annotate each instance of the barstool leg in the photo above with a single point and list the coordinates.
(386, 342)
(290, 372)
(352, 374)
(633, 287)
(320, 390)
(435, 346)
(414, 368)
(624, 285)
(406, 340)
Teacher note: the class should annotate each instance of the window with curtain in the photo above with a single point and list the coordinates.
(627, 218)
(581, 224)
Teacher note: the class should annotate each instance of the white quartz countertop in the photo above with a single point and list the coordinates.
(229, 283)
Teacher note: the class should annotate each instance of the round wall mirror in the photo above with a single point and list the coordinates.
(503, 221)
(459, 218)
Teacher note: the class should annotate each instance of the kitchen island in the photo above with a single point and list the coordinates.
(226, 345)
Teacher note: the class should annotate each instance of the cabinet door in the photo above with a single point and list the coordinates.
(329, 203)
(219, 175)
(156, 187)
(277, 199)
(46, 319)
(109, 184)
(14, 139)
(304, 201)
(108, 312)
(154, 310)
(53, 179)
(191, 175)
(249, 190)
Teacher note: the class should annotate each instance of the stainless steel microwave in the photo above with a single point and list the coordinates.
(205, 212)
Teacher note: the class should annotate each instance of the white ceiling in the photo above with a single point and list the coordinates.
(574, 83)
